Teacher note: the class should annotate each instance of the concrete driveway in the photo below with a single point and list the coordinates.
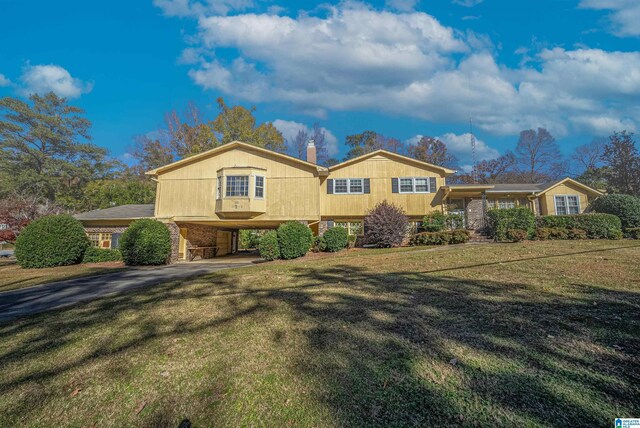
(40, 298)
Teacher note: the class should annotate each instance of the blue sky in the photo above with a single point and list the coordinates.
(400, 67)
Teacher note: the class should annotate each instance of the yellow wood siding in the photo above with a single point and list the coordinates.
(380, 170)
(189, 191)
(547, 205)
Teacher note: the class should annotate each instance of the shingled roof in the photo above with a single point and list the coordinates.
(122, 212)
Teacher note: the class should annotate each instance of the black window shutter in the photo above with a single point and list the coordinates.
(330, 186)
(432, 185)
(329, 224)
(367, 186)
(115, 240)
(394, 185)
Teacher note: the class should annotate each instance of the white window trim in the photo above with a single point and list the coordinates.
(348, 192)
(566, 201)
(413, 184)
(264, 186)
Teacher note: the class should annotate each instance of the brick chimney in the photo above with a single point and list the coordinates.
(311, 151)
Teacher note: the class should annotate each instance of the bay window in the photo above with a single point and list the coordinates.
(237, 186)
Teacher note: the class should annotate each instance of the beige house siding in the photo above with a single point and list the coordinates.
(189, 191)
(380, 169)
(547, 203)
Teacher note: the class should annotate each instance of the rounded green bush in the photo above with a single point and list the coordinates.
(625, 207)
(98, 255)
(56, 240)
(268, 246)
(294, 240)
(336, 239)
(145, 242)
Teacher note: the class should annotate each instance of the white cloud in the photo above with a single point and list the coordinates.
(467, 3)
(289, 130)
(40, 79)
(624, 16)
(460, 146)
(4, 81)
(402, 5)
(183, 8)
(358, 58)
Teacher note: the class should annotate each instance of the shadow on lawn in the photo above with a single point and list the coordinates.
(379, 346)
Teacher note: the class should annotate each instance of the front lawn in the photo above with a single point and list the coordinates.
(531, 334)
(13, 276)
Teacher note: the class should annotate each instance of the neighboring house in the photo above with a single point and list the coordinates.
(207, 198)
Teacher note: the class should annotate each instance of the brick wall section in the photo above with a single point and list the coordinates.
(199, 235)
(174, 231)
(475, 213)
(323, 226)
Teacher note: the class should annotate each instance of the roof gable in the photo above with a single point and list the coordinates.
(231, 146)
(392, 156)
(548, 186)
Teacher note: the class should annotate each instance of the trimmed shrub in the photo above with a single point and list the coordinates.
(542, 233)
(351, 241)
(57, 240)
(434, 221)
(633, 232)
(596, 226)
(268, 246)
(98, 255)
(440, 238)
(336, 239)
(501, 220)
(145, 242)
(294, 240)
(517, 235)
(575, 233)
(626, 207)
(563, 221)
(460, 236)
(386, 225)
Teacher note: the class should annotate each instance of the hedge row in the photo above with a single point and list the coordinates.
(458, 236)
(291, 240)
(596, 226)
(500, 221)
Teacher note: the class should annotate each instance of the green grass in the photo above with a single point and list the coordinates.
(13, 276)
(543, 334)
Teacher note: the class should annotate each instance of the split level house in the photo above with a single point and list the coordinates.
(206, 199)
